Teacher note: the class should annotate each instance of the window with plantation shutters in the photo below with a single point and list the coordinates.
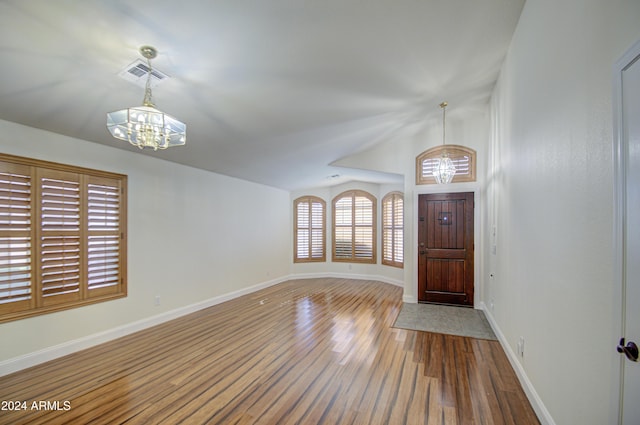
(354, 227)
(309, 233)
(393, 229)
(62, 237)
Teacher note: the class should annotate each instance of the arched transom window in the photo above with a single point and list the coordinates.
(463, 158)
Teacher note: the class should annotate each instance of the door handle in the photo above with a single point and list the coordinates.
(630, 350)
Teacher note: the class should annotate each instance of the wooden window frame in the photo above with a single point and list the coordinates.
(389, 228)
(354, 258)
(310, 201)
(457, 153)
(73, 225)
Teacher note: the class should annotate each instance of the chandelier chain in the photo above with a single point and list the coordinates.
(443, 105)
(148, 100)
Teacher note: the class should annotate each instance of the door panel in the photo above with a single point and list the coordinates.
(445, 275)
(445, 251)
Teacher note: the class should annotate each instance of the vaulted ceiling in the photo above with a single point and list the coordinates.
(272, 91)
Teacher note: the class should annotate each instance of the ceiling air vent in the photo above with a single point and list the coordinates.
(136, 73)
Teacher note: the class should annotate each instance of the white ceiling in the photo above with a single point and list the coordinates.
(272, 91)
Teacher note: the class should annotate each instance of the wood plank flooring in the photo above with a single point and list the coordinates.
(314, 351)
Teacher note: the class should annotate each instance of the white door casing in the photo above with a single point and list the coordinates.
(627, 225)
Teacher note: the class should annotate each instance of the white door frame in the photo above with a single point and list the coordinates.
(619, 169)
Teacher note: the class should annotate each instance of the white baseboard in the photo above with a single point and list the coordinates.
(405, 298)
(538, 406)
(409, 299)
(349, 276)
(50, 353)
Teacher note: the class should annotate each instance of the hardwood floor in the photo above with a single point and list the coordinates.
(316, 351)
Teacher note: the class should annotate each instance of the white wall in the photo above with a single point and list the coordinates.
(192, 234)
(550, 196)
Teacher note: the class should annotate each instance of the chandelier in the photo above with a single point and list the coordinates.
(444, 169)
(145, 126)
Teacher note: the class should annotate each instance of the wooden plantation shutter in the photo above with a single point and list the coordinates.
(104, 207)
(59, 236)
(363, 228)
(354, 231)
(309, 239)
(16, 238)
(343, 229)
(392, 229)
(62, 236)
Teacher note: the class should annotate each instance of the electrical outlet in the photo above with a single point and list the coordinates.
(491, 304)
(157, 300)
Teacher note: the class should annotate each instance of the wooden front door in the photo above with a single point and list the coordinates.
(445, 248)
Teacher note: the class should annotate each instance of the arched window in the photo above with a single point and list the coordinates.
(354, 227)
(463, 158)
(393, 229)
(309, 229)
